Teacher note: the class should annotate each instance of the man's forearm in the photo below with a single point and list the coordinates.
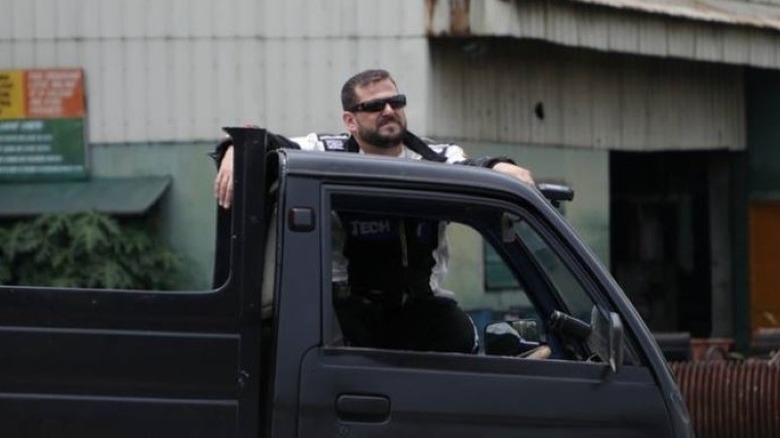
(275, 141)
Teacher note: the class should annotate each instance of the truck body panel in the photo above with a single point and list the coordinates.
(263, 354)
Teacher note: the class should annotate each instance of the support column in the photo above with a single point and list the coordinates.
(720, 246)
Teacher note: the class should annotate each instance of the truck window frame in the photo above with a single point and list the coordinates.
(416, 202)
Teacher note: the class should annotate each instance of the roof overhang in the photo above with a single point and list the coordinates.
(721, 31)
(739, 13)
(115, 196)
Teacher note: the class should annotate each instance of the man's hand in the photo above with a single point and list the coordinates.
(518, 172)
(223, 183)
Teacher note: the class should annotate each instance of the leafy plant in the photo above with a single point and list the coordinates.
(90, 250)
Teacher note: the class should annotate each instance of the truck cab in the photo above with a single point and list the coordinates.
(561, 349)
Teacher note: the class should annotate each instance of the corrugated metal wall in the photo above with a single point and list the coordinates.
(176, 70)
(513, 92)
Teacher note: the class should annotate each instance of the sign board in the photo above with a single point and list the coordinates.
(42, 124)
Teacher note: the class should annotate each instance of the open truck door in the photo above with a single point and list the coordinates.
(130, 363)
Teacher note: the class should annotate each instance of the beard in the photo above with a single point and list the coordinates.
(380, 140)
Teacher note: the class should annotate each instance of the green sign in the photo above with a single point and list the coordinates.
(42, 149)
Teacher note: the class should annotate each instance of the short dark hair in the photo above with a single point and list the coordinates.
(365, 77)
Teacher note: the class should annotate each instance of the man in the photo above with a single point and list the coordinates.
(387, 289)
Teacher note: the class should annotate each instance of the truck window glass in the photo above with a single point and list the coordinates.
(484, 305)
(540, 284)
(568, 288)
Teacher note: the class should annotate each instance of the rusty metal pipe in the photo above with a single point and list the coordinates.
(731, 399)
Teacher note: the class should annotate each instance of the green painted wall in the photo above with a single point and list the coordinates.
(187, 209)
(584, 170)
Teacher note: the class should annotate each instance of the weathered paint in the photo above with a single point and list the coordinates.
(733, 32)
(178, 70)
(505, 91)
(745, 13)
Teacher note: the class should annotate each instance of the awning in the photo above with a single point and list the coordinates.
(116, 196)
(717, 11)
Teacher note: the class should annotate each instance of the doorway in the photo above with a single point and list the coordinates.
(660, 236)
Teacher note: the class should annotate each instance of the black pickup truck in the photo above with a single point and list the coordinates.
(562, 351)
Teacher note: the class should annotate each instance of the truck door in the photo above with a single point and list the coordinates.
(99, 363)
(349, 391)
(138, 363)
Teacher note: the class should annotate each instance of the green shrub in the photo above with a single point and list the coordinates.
(89, 250)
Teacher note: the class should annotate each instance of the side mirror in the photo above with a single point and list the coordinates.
(556, 193)
(604, 334)
(606, 338)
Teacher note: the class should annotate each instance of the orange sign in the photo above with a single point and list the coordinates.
(42, 94)
(55, 93)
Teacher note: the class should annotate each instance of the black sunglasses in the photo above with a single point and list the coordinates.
(396, 102)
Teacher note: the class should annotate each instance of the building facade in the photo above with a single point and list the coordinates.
(657, 113)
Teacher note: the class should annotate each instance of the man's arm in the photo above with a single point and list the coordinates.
(515, 171)
(223, 183)
(223, 156)
(455, 154)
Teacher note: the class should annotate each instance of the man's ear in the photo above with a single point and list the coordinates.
(349, 121)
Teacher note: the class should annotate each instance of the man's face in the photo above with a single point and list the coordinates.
(383, 129)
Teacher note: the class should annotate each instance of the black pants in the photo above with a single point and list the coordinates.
(428, 323)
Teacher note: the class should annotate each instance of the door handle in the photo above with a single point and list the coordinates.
(363, 408)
